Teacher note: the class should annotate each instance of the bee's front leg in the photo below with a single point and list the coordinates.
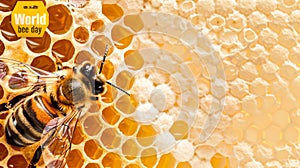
(36, 157)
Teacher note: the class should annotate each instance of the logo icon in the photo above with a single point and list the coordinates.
(30, 19)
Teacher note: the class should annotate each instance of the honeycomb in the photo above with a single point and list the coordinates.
(212, 83)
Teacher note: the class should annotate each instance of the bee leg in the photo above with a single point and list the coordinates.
(36, 157)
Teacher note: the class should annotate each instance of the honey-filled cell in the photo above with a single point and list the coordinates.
(121, 36)
(110, 115)
(78, 135)
(63, 49)
(110, 138)
(130, 149)
(112, 11)
(92, 165)
(125, 80)
(108, 69)
(92, 125)
(1, 93)
(83, 56)
(128, 126)
(133, 60)
(75, 159)
(60, 19)
(146, 135)
(112, 160)
(219, 161)
(132, 166)
(166, 160)
(126, 104)
(149, 157)
(99, 44)
(97, 25)
(81, 35)
(7, 30)
(4, 152)
(92, 149)
(17, 161)
(179, 129)
(1, 130)
(109, 95)
(2, 47)
(134, 22)
(39, 44)
(44, 62)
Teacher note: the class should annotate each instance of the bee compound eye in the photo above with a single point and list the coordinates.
(88, 70)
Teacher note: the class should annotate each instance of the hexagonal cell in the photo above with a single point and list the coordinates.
(97, 25)
(261, 120)
(258, 87)
(166, 160)
(1, 95)
(1, 129)
(132, 166)
(281, 118)
(109, 95)
(63, 49)
(39, 44)
(78, 136)
(60, 19)
(239, 88)
(110, 115)
(128, 126)
(184, 165)
(7, 30)
(99, 44)
(81, 34)
(17, 161)
(110, 138)
(146, 135)
(108, 69)
(133, 59)
(121, 36)
(92, 165)
(92, 149)
(4, 152)
(130, 149)
(92, 125)
(179, 129)
(75, 159)
(111, 160)
(125, 80)
(219, 161)
(291, 134)
(126, 104)
(253, 134)
(112, 11)
(82, 56)
(272, 134)
(134, 22)
(44, 62)
(149, 157)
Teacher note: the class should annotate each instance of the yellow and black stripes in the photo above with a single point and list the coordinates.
(26, 124)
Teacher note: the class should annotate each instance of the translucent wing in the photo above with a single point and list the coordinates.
(57, 139)
(18, 75)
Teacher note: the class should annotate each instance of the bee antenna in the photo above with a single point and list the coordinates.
(118, 88)
(104, 56)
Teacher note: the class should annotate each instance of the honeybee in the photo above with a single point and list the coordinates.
(50, 107)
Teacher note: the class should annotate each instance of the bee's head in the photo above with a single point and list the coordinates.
(97, 81)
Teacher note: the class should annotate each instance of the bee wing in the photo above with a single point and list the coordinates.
(57, 139)
(19, 75)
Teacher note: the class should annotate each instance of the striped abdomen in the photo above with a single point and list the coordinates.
(26, 124)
